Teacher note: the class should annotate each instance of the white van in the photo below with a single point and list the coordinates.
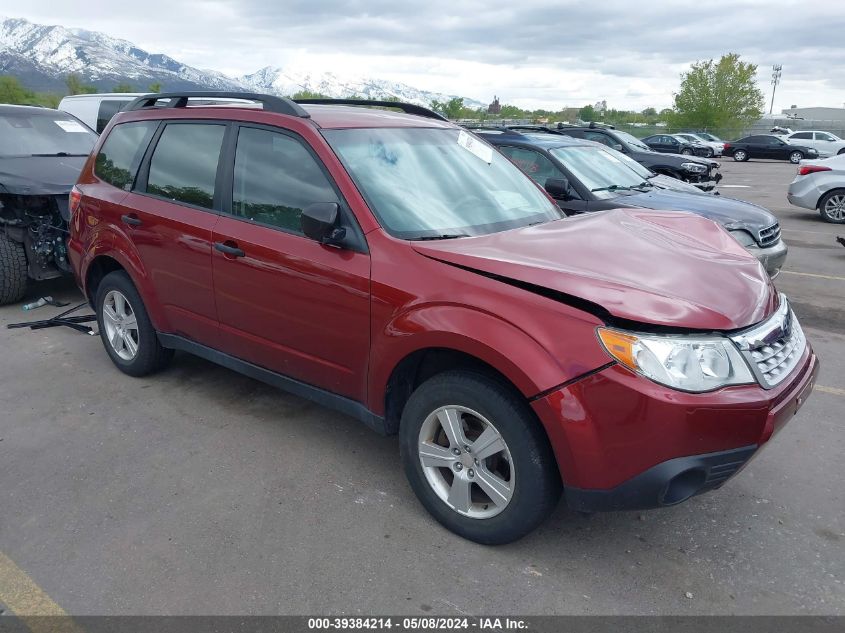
(96, 110)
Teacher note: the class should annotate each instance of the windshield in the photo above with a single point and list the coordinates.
(633, 140)
(422, 183)
(642, 172)
(43, 132)
(599, 170)
(709, 137)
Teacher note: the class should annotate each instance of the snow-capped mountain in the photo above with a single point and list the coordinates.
(42, 56)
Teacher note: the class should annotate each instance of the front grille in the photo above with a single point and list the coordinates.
(773, 348)
(770, 235)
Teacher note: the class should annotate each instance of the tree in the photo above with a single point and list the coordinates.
(307, 94)
(451, 109)
(124, 87)
(11, 91)
(718, 95)
(155, 87)
(587, 113)
(649, 112)
(76, 87)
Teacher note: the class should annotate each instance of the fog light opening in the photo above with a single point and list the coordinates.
(683, 486)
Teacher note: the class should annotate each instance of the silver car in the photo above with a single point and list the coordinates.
(820, 184)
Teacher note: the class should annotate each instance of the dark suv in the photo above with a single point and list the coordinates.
(584, 176)
(399, 269)
(702, 172)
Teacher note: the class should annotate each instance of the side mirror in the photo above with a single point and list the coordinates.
(319, 222)
(558, 188)
(618, 147)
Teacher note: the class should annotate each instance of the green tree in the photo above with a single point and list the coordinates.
(718, 95)
(451, 109)
(587, 113)
(76, 87)
(124, 87)
(11, 91)
(307, 94)
(155, 87)
(649, 113)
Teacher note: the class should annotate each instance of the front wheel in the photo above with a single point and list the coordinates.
(125, 327)
(796, 157)
(477, 458)
(740, 155)
(687, 152)
(13, 271)
(709, 153)
(832, 207)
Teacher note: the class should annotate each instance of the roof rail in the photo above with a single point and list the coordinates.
(536, 128)
(491, 128)
(279, 105)
(607, 126)
(407, 108)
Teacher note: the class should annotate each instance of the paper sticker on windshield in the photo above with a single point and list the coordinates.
(476, 147)
(71, 126)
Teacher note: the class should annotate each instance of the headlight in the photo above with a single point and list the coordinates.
(743, 237)
(687, 363)
(695, 168)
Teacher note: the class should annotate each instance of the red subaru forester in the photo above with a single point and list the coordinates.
(399, 269)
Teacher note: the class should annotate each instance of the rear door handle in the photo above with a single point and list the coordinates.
(131, 220)
(229, 249)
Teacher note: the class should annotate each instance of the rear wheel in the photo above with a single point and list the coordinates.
(127, 332)
(709, 153)
(832, 206)
(687, 152)
(796, 157)
(477, 458)
(740, 155)
(13, 271)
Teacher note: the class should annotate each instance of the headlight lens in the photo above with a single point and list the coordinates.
(686, 363)
(743, 237)
(695, 168)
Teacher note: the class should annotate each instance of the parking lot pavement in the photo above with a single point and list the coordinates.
(201, 491)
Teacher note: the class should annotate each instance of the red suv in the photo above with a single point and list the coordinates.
(399, 269)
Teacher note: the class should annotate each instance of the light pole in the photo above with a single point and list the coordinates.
(775, 80)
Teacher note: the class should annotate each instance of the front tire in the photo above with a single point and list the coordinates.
(687, 152)
(125, 327)
(477, 458)
(709, 153)
(832, 206)
(13, 271)
(796, 157)
(740, 156)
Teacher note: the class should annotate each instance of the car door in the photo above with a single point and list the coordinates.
(540, 168)
(778, 148)
(825, 144)
(756, 146)
(286, 302)
(804, 139)
(169, 216)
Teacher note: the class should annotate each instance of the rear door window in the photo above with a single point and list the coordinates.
(535, 164)
(121, 153)
(183, 167)
(275, 178)
(108, 108)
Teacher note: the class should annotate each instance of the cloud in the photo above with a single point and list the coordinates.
(532, 52)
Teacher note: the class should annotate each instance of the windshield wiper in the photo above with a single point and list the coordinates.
(61, 154)
(614, 188)
(443, 236)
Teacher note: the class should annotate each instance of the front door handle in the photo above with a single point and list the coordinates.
(231, 249)
(131, 220)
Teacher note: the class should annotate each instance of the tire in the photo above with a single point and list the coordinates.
(796, 157)
(740, 156)
(687, 152)
(832, 206)
(13, 271)
(709, 153)
(521, 466)
(122, 317)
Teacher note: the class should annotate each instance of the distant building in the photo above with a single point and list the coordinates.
(495, 107)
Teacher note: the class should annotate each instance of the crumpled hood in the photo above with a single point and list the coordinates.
(668, 269)
(728, 212)
(40, 175)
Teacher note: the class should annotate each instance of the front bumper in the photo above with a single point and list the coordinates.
(772, 257)
(625, 442)
(706, 181)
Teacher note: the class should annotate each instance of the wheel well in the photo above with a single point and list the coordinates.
(826, 193)
(421, 365)
(99, 268)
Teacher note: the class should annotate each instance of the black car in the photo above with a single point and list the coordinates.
(668, 144)
(701, 172)
(583, 176)
(42, 152)
(767, 146)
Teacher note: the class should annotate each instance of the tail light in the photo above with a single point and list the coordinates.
(726, 146)
(75, 199)
(804, 170)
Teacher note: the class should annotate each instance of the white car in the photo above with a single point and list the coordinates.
(96, 110)
(717, 146)
(826, 143)
(820, 184)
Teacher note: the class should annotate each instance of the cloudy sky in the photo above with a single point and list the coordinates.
(531, 53)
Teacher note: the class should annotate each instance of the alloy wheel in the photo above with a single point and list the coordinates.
(795, 157)
(466, 462)
(739, 155)
(121, 325)
(834, 208)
